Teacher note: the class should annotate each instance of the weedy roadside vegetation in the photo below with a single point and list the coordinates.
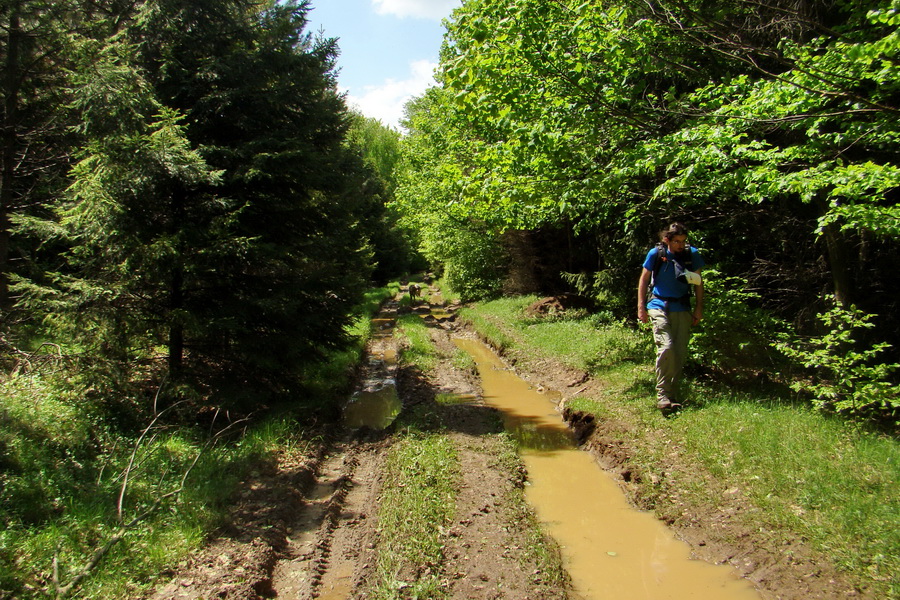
(96, 505)
(810, 475)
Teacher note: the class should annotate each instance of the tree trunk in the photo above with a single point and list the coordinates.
(176, 328)
(522, 277)
(8, 145)
(839, 260)
(176, 291)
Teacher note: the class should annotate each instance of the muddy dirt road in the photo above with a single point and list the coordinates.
(307, 527)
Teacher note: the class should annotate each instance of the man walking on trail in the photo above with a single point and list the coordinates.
(672, 270)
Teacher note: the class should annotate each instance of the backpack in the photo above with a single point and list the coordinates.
(685, 264)
(661, 248)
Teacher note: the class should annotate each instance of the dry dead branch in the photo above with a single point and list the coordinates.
(60, 590)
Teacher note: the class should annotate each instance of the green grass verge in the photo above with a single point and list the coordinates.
(488, 328)
(61, 490)
(810, 476)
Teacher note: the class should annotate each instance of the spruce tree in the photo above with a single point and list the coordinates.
(34, 144)
(261, 103)
(216, 226)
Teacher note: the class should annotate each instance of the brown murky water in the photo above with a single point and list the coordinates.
(610, 549)
(376, 403)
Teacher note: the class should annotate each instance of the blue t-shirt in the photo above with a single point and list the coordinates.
(666, 285)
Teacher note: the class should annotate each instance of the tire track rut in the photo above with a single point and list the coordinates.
(335, 527)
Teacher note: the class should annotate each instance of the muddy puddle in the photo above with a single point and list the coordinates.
(610, 549)
(375, 404)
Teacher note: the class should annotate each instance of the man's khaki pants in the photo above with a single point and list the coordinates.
(671, 332)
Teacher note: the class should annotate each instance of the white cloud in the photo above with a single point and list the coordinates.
(385, 102)
(423, 9)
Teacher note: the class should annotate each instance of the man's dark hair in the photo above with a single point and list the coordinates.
(673, 230)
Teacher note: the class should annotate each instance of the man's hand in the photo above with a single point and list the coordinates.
(642, 314)
(697, 317)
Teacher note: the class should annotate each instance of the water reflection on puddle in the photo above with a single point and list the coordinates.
(610, 549)
(376, 404)
(376, 409)
(536, 436)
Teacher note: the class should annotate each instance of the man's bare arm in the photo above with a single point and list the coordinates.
(643, 284)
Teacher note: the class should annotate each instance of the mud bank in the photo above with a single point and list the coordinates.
(238, 559)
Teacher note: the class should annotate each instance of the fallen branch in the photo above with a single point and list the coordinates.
(24, 362)
(61, 591)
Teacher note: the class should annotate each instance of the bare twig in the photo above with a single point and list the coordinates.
(158, 391)
(26, 358)
(105, 462)
(134, 451)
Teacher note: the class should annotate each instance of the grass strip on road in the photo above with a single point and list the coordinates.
(416, 506)
(422, 485)
(419, 349)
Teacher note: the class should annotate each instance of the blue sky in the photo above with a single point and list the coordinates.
(389, 49)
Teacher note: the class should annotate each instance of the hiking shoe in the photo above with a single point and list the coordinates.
(667, 406)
